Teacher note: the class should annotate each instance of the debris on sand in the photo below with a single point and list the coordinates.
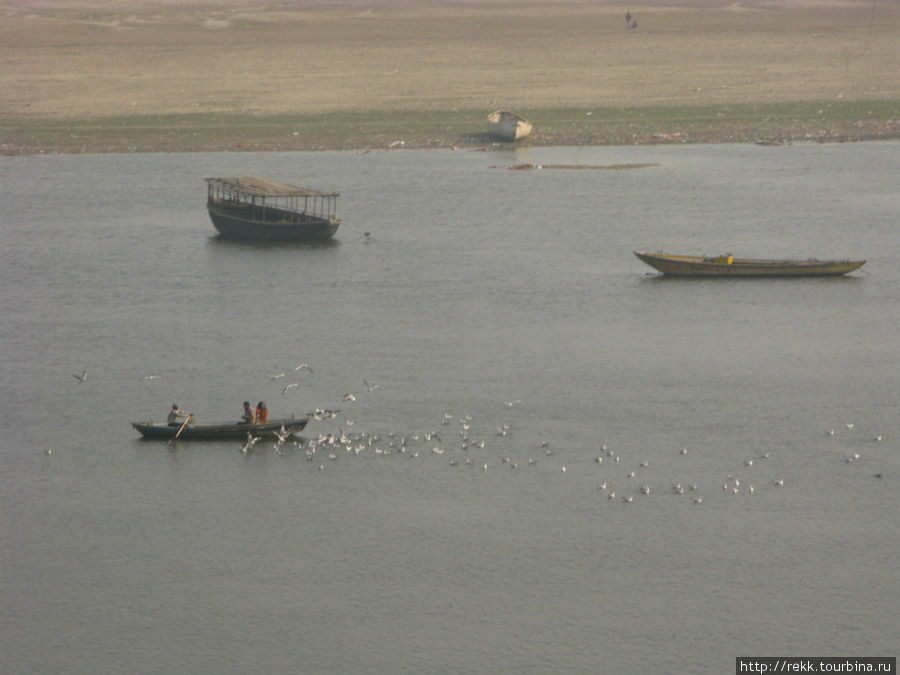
(606, 167)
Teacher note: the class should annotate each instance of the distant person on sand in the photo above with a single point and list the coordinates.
(628, 19)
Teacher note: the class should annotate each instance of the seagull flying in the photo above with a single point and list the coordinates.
(292, 385)
(82, 377)
(304, 365)
(370, 387)
(282, 434)
(251, 441)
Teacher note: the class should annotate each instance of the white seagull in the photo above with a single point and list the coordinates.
(304, 365)
(370, 387)
(282, 434)
(251, 441)
(289, 386)
(82, 377)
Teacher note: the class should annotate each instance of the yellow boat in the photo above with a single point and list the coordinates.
(729, 266)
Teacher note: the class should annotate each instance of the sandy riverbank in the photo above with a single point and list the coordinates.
(101, 76)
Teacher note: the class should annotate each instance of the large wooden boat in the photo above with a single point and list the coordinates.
(247, 207)
(219, 432)
(729, 266)
(507, 126)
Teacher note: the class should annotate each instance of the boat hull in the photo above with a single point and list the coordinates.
(508, 126)
(235, 226)
(217, 432)
(726, 266)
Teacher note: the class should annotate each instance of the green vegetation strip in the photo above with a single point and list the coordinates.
(342, 130)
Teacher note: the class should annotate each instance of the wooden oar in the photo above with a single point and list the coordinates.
(186, 420)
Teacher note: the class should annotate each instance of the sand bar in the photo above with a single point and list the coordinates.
(111, 76)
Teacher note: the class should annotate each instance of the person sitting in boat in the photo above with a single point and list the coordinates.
(248, 417)
(175, 414)
(262, 413)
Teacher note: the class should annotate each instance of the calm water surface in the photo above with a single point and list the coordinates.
(482, 298)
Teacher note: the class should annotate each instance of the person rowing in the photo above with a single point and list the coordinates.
(175, 415)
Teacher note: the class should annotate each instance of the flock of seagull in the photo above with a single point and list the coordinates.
(626, 480)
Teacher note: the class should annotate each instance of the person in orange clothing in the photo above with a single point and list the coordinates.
(262, 413)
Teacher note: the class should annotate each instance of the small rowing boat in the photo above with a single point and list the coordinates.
(507, 126)
(729, 266)
(219, 432)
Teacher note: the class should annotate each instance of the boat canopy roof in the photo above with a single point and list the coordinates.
(263, 187)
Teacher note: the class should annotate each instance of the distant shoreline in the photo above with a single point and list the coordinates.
(114, 76)
(769, 124)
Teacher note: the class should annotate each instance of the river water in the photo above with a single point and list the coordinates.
(507, 336)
